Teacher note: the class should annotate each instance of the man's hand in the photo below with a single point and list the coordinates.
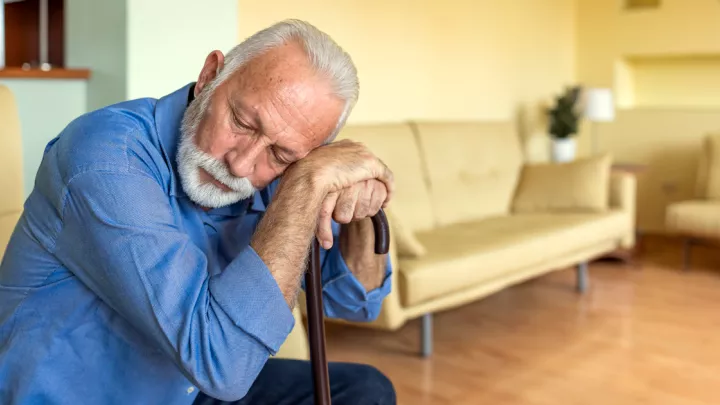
(357, 184)
(341, 165)
(359, 201)
(343, 174)
(352, 207)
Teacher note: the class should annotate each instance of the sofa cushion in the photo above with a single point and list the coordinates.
(462, 255)
(695, 218)
(472, 167)
(395, 145)
(579, 186)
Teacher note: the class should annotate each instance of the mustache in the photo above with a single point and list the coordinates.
(220, 172)
(215, 167)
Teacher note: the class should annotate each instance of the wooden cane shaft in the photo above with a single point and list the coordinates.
(316, 326)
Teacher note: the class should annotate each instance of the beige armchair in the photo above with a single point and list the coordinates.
(11, 180)
(698, 220)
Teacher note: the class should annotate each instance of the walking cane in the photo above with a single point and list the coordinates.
(316, 327)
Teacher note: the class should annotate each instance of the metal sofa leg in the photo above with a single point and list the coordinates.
(426, 335)
(583, 278)
(687, 246)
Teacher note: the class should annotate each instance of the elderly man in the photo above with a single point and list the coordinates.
(162, 248)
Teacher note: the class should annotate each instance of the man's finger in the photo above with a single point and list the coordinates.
(387, 178)
(345, 206)
(324, 227)
(379, 197)
(363, 206)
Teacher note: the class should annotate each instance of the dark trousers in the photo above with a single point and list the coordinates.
(289, 382)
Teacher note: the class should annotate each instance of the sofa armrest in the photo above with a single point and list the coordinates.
(623, 192)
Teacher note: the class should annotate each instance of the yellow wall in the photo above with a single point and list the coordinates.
(432, 59)
(488, 59)
(667, 137)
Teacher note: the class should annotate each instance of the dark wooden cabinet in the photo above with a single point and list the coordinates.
(23, 33)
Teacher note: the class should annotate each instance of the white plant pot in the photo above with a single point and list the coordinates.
(563, 150)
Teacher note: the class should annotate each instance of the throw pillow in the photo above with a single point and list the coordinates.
(579, 186)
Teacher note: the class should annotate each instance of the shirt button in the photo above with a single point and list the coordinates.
(190, 390)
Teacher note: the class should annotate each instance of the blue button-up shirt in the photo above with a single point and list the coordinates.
(116, 288)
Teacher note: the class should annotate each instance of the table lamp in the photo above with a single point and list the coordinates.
(599, 107)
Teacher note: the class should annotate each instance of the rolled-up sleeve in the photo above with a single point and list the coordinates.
(249, 294)
(119, 237)
(344, 295)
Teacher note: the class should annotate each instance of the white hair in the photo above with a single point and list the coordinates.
(325, 55)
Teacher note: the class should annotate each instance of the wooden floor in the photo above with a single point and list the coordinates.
(644, 335)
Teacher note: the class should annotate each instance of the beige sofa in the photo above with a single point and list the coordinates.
(698, 220)
(11, 180)
(470, 218)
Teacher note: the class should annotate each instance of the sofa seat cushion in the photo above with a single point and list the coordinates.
(462, 255)
(695, 218)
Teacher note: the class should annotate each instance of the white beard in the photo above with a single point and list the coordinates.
(190, 159)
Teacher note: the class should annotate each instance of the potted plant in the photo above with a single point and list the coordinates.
(563, 119)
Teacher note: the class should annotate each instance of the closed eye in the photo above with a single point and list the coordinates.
(277, 157)
(238, 123)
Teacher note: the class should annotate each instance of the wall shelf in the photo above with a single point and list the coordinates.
(56, 73)
(684, 81)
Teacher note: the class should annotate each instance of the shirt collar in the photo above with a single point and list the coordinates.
(168, 119)
(258, 203)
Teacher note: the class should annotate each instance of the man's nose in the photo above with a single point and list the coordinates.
(241, 161)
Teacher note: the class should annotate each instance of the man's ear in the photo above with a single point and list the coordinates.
(213, 63)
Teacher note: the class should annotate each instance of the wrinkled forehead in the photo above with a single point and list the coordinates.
(287, 94)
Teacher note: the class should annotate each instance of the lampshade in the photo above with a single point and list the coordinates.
(599, 105)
